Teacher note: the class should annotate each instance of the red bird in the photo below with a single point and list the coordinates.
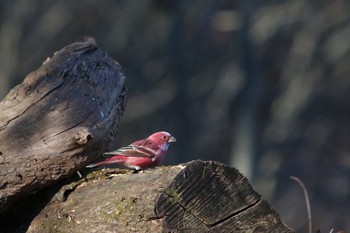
(141, 154)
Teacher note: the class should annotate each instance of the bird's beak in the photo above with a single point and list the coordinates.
(172, 139)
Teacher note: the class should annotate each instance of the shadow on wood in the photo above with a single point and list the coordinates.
(60, 118)
(194, 197)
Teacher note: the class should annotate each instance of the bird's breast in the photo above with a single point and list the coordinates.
(164, 147)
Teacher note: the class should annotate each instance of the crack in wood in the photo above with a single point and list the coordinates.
(186, 210)
(73, 126)
(235, 213)
(8, 122)
(32, 104)
(151, 218)
(67, 189)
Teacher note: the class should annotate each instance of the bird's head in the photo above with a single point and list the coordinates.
(162, 138)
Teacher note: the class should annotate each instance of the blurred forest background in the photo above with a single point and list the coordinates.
(261, 85)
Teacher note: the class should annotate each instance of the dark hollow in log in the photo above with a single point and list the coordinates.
(60, 118)
(194, 197)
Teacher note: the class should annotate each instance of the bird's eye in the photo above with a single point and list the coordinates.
(164, 137)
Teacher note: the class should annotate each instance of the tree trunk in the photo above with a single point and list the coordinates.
(194, 197)
(60, 118)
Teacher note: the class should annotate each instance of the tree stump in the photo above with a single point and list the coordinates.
(194, 197)
(60, 118)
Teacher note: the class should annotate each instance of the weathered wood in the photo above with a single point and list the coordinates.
(211, 197)
(60, 118)
(194, 197)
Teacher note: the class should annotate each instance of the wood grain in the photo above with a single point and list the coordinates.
(60, 118)
(194, 197)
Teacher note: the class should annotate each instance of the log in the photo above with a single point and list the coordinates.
(194, 197)
(61, 117)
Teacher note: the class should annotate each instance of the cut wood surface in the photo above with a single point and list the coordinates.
(194, 197)
(60, 118)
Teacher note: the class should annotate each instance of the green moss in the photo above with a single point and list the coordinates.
(59, 225)
(122, 211)
(105, 173)
(174, 194)
(123, 206)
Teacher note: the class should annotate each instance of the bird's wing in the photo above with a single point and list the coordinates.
(141, 148)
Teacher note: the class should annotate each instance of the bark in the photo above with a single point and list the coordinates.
(194, 197)
(60, 118)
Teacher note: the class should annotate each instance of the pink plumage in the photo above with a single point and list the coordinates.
(141, 154)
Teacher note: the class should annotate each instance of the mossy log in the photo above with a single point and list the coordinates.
(194, 197)
(60, 118)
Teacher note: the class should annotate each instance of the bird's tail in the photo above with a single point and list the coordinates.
(103, 163)
(92, 165)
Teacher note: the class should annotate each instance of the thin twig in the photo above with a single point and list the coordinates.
(306, 200)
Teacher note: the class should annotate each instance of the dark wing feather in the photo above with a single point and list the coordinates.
(141, 148)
